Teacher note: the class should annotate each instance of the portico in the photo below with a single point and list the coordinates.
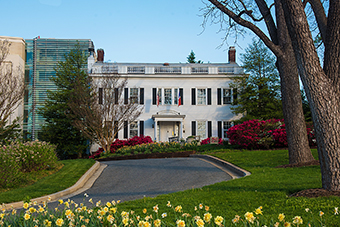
(168, 124)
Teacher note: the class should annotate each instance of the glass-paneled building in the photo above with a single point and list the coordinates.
(42, 56)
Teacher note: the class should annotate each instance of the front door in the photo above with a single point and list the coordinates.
(166, 130)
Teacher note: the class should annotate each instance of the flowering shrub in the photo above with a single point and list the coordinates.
(68, 213)
(136, 140)
(207, 141)
(256, 134)
(17, 157)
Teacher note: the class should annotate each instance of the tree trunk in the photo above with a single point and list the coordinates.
(321, 94)
(298, 145)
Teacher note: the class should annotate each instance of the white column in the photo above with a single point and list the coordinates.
(181, 130)
(155, 130)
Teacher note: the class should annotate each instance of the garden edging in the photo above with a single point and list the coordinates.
(234, 171)
(83, 181)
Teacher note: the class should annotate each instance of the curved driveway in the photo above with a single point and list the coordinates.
(134, 179)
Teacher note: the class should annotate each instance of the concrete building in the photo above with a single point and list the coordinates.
(42, 56)
(16, 61)
(180, 100)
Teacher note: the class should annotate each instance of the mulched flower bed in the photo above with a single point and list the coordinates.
(153, 155)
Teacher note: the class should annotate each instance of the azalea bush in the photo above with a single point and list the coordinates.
(18, 157)
(136, 140)
(68, 213)
(259, 134)
(207, 141)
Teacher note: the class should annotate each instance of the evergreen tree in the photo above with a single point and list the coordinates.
(58, 127)
(192, 58)
(259, 89)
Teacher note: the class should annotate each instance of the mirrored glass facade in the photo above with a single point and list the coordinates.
(42, 56)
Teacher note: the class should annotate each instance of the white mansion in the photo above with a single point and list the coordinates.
(179, 99)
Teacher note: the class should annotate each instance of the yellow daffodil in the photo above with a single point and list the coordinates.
(281, 217)
(178, 209)
(236, 219)
(27, 216)
(249, 217)
(258, 211)
(207, 217)
(108, 204)
(287, 224)
(155, 208)
(180, 223)
(60, 201)
(297, 220)
(200, 223)
(25, 206)
(157, 223)
(110, 218)
(144, 211)
(218, 220)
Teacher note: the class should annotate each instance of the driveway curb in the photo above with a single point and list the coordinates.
(233, 170)
(85, 180)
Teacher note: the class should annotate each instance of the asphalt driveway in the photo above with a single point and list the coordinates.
(134, 179)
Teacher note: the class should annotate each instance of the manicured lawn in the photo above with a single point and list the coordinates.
(67, 176)
(267, 186)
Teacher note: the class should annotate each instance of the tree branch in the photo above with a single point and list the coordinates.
(248, 25)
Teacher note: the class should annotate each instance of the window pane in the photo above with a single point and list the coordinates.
(226, 96)
(176, 96)
(133, 129)
(201, 97)
(134, 95)
(226, 126)
(160, 96)
(201, 129)
(167, 96)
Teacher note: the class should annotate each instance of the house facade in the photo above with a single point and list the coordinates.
(179, 99)
(16, 62)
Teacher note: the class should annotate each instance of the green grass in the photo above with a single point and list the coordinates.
(267, 186)
(67, 176)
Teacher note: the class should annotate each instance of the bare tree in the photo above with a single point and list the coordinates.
(12, 90)
(247, 14)
(101, 111)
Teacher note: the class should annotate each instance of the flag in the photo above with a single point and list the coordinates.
(157, 99)
(179, 98)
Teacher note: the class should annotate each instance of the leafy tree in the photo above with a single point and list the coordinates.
(258, 91)
(11, 94)
(192, 58)
(58, 128)
(236, 15)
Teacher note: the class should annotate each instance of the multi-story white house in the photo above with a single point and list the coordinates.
(179, 99)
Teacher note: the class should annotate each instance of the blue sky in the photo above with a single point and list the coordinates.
(152, 31)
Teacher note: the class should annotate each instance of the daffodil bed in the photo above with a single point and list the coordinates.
(69, 213)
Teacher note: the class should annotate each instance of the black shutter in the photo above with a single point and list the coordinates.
(116, 95)
(100, 96)
(126, 95)
(182, 98)
(125, 129)
(141, 96)
(141, 128)
(219, 97)
(193, 96)
(154, 96)
(115, 128)
(193, 128)
(219, 129)
(235, 96)
(209, 129)
(209, 96)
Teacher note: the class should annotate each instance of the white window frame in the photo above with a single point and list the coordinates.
(134, 96)
(204, 98)
(225, 97)
(167, 96)
(225, 129)
(131, 129)
(201, 132)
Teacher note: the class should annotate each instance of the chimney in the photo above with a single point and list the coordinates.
(100, 55)
(232, 54)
